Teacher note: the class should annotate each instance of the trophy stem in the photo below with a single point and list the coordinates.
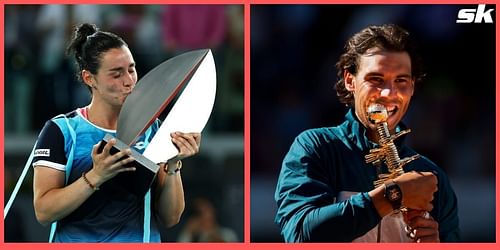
(387, 152)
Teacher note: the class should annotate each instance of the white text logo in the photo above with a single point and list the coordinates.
(476, 16)
(42, 152)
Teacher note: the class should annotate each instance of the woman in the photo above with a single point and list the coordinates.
(85, 211)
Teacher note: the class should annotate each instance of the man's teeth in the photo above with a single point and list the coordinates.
(391, 111)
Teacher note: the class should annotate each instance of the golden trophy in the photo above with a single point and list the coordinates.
(387, 152)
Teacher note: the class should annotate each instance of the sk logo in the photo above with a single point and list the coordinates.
(476, 16)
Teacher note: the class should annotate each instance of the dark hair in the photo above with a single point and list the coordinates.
(88, 44)
(388, 37)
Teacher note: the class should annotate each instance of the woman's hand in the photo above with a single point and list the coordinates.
(188, 144)
(106, 165)
(170, 195)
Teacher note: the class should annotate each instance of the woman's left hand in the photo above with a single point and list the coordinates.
(188, 144)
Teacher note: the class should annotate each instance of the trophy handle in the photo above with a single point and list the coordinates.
(137, 182)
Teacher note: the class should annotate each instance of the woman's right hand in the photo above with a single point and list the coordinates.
(106, 165)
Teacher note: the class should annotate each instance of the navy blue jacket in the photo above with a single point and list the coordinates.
(321, 163)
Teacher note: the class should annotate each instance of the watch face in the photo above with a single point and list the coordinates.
(394, 194)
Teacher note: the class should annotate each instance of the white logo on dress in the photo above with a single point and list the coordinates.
(140, 145)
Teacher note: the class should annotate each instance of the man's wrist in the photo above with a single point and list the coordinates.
(381, 204)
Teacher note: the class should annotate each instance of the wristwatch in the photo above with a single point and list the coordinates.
(393, 194)
(178, 165)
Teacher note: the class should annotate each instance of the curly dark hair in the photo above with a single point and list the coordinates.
(388, 37)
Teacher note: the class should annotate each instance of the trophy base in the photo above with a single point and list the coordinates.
(137, 182)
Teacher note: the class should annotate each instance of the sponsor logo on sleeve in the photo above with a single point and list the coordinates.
(42, 152)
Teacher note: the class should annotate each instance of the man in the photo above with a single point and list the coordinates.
(325, 191)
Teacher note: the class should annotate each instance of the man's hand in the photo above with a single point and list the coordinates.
(421, 226)
(418, 189)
